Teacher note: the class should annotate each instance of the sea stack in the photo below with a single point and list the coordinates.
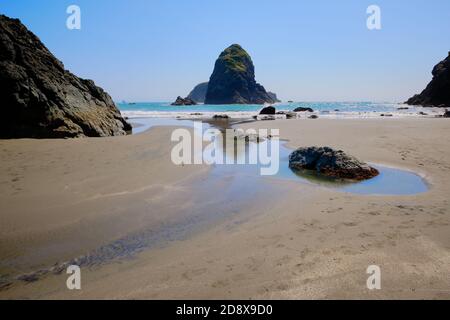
(198, 94)
(437, 93)
(233, 80)
(41, 99)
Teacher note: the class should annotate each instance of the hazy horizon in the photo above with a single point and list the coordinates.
(154, 51)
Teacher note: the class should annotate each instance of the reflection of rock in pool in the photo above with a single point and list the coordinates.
(389, 181)
(317, 178)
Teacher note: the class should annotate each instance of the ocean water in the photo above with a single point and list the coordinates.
(324, 109)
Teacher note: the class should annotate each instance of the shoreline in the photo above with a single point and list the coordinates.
(208, 111)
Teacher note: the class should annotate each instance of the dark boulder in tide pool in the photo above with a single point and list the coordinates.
(331, 163)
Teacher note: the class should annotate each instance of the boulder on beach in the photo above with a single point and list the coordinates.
(221, 117)
(331, 163)
(288, 114)
(314, 117)
(268, 110)
(233, 80)
(266, 118)
(446, 114)
(302, 109)
(43, 100)
(437, 93)
(184, 102)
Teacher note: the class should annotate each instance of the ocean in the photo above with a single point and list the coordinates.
(323, 109)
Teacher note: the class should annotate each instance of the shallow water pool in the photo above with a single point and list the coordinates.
(391, 181)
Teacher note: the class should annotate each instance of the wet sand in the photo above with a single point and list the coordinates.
(62, 199)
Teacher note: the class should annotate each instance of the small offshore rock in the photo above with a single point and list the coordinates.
(302, 109)
(184, 102)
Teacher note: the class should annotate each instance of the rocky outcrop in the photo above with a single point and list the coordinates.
(233, 80)
(331, 163)
(198, 94)
(268, 110)
(302, 109)
(437, 93)
(221, 117)
(184, 102)
(41, 99)
(288, 114)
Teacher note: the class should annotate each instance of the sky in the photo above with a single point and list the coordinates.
(316, 50)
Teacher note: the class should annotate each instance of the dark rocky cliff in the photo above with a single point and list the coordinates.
(437, 93)
(40, 99)
(233, 80)
(273, 96)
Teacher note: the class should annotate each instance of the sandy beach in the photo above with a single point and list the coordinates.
(62, 199)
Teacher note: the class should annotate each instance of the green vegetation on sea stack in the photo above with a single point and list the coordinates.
(233, 80)
(236, 58)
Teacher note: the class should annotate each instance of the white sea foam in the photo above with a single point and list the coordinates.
(410, 112)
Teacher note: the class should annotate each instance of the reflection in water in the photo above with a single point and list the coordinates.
(390, 181)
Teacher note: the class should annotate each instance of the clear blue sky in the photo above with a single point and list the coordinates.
(155, 50)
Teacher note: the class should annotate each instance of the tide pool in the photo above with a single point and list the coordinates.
(391, 181)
